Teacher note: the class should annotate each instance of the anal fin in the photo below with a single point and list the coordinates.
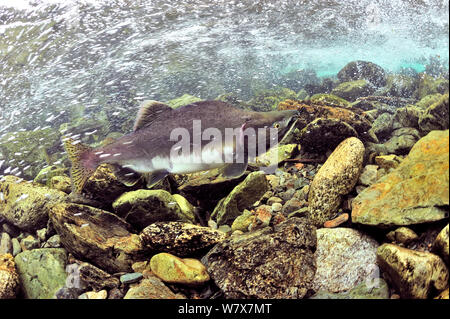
(125, 175)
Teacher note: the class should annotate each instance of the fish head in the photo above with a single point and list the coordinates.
(282, 121)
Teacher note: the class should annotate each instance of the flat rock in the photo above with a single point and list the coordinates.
(241, 197)
(376, 290)
(26, 205)
(415, 274)
(97, 278)
(151, 288)
(345, 257)
(9, 278)
(414, 192)
(181, 239)
(335, 178)
(42, 272)
(97, 236)
(267, 263)
(142, 207)
(175, 270)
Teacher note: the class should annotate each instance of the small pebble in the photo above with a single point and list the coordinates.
(131, 278)
(337, 221)
(29, 243)
(212, 224)
(40, 233)
(102, 294)
(54, 241)
(224, 228)
(276, 207)
(5, 244)
(16, 248)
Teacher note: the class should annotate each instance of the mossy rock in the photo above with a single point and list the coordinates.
(400, 85)
(47, 173)
(430, 85)
(354, 89)
(329, 99)
(428, 100)
(183, 100)
(363, 70)
(268, 100)
(436, 116)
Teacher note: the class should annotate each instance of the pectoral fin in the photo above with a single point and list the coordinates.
(155, 177)
(234, 170)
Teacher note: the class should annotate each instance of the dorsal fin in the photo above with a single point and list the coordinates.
(148, 112)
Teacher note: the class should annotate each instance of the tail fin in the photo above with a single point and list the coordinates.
(82, 166)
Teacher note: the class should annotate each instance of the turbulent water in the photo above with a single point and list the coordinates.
(103, 57)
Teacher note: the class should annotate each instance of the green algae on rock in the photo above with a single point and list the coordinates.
(415, 274)
(329, 99)
(414, 192)
(436, 116)
(42, 272)
(142, 207)
(353, 90)
(151, 288)
(378, 289)
(358, 70)
(47, 173)
(335, 178)
(241, 197)
(172, 269)
(26, 205)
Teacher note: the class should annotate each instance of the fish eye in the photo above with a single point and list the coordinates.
(276, 125)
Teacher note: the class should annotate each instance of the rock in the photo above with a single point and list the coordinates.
(402, 235)
(368, 175)
(16, 248)
(186, 208)
(102, 294)
(96, 235)
(96, 278)
(414, 274)
(292, 205)
(5, 244)
(340, 219)
(9, 278)
(365, 290)
(402, 140)
(388, 161)
(54, 241)
(12, 230)
(243, 221)
(441, 244)
(436, 116)
(142, 207)
(26, 205)
(400, 85)
(428, 100)
(205, 189)
(267, 263)
(383, 125)
(183, 100)
(273, 200)
(344, 257)
(358, 70)
(179, 238)
(353, 89)
(329, 99)
(241, 197)
(277, 155)
(41, 233)
(29, 243)
(335, 178)
(430, 85)
(104, 187)
(61, 183)
(47, 173)
(151, 288)
(131, 278)
(323, 134)
(443, 295)
(224, 229)
(171, 269)
(268, 100)
(407, 116)
(414, 192)
(277, 207)
(42, 272)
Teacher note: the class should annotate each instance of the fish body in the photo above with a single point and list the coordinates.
(188, 139)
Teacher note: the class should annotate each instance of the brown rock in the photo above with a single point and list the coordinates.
(96, 235)
(181, 239)
(96, 278)
(9, 278)
(151, 288)
(441, 244)
(267, 263)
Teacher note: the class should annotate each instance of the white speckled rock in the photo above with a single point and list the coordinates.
(344, 257)
(335, 178)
